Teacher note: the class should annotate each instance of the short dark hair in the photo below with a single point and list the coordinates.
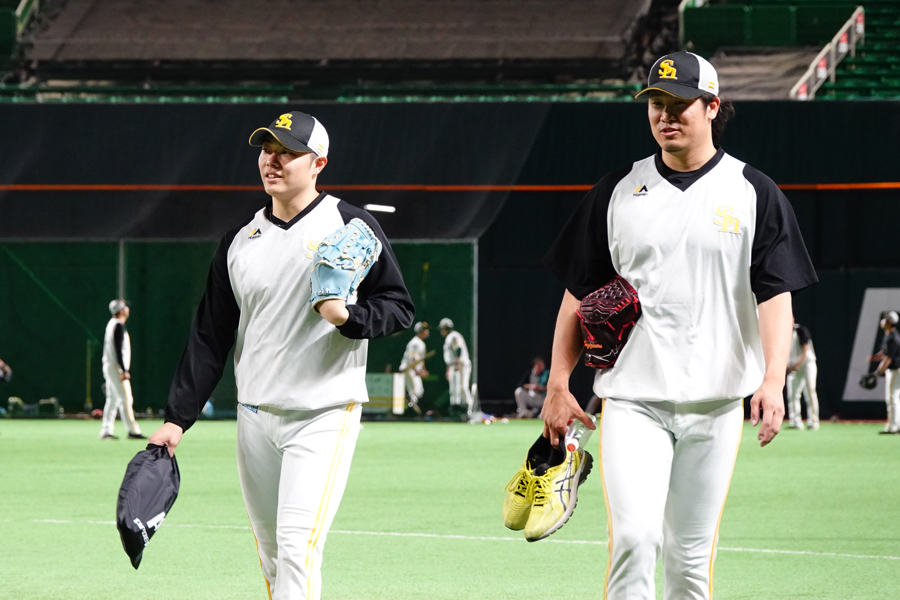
(726, 112)
(538, 358)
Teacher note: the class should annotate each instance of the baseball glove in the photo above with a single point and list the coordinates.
(868, 381)
(608, 316)
(342, 261)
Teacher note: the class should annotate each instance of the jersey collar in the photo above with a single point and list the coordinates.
(685, 179)
(288, 224)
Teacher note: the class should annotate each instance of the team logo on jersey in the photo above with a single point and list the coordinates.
(667, 70)
(312, 247)
(641, 190)
(284, 121)
(726, 221)
(256, 233)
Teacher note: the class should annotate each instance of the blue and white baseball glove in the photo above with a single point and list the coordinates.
(342, 261)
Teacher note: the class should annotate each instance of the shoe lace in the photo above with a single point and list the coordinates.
(520, 482)
(541, 490)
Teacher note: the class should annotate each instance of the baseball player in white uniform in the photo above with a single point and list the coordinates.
(299, 368)
(459, 367)
(413, 364)
(713, 249)
(117, 375)
(801, 379)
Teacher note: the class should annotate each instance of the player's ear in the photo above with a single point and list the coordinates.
(319, 163)
(712, 109)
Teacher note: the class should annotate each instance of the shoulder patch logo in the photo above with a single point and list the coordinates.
(726, 220)
(641, 190)
(284, 121)
(256, 233)
(667, 70)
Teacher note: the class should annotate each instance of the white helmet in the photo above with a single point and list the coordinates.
(446, 323)
(892, 317)
(116, 306)
(420, 326)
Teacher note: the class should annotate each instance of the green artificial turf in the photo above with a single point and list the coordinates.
(814, 515)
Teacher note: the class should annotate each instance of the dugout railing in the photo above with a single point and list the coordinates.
(824, 65)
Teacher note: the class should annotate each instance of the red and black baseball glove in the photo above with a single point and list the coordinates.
(607, 317)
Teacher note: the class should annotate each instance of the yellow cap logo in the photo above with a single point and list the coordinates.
(667, 70)
(284, 121)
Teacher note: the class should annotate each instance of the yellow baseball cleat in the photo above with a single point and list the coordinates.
(555, 494)
(518, 499)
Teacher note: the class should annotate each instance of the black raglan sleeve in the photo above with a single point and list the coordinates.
(212, 336)
(580, 256)
(383, 305)
(118, 340)
(779, 262)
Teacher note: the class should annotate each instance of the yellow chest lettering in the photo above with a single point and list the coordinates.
(726, 220)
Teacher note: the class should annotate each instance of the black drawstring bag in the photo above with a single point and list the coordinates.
(145, 498)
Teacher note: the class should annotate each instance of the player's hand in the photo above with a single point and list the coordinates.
(334, 311)
(168, 435)
(560, 407)
(124, 376)
(771, 403)
(423, 373)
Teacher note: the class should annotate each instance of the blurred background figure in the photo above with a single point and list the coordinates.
(532, 390)
(5, 372)
(412, 365)
(459, 367)
(889, 364)
(116, 365)
(801, 379)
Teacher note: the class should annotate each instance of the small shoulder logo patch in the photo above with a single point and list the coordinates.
(256, 233)
(726, 220)
(667, 70)
(641, 191)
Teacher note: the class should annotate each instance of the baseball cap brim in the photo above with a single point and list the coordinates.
(259, 136)
(673, 89)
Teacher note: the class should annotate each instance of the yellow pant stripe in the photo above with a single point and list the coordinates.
(712, 554)
(326, 499)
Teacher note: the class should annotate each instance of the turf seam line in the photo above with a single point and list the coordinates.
(483, 538)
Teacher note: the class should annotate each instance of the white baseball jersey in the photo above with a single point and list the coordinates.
(116, 346)
(701, 248)
(455, 348)
(415, 350)
(286, 356)
(800, 337)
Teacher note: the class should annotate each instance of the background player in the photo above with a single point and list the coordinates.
(532, 389)
(116, 365)
(706, 241)
(459, 367)
(801, 379)
(300, 372)
(889, 366)
(413, 365)
(5, 372)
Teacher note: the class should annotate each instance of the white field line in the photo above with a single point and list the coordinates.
(488, 539)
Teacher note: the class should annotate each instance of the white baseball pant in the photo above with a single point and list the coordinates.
(459, 384)
(666, 468)
(803, 382)
(119, 400)
(293, 467)
(892, 398)
(529, 401)
(414, 386)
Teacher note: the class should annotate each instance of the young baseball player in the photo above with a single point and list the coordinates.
(714, 251)
(889, 366)
(299, 327)
(413, 364)
(116, 374)
(801, 379)
(459, 367)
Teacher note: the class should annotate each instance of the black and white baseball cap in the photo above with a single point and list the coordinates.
(116, 306)
(297, 131)
(682, 74)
